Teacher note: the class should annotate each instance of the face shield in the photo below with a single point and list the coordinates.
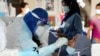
(34, 18)
(41, 25)
(41, 20)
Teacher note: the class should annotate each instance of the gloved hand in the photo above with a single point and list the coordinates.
(61, 41)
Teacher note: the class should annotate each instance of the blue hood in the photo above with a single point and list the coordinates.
(31, 20)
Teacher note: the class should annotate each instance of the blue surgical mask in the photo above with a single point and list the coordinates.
(66, 9)
(70, 50)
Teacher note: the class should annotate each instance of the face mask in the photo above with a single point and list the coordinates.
(66, 9)
(70, 50)
(27, 10)
(97, 11)
(40, 30)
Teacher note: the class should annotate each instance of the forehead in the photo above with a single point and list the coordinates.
(97, 7)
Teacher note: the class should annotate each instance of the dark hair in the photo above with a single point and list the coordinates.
(73, 6)
(23, 4)
(98, 4)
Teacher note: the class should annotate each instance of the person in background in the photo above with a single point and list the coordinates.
(95, 26)
(24, 8)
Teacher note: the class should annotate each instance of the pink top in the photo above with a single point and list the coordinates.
(95, 22)
(62, 15)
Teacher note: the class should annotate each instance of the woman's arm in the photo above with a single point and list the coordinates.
(89, 31)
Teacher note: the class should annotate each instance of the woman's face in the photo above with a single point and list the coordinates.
(98, 10)
(65, 7)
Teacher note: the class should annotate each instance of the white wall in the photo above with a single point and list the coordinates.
(35, 3)
(31, 3)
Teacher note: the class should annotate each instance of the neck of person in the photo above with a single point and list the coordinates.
(23, 13)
